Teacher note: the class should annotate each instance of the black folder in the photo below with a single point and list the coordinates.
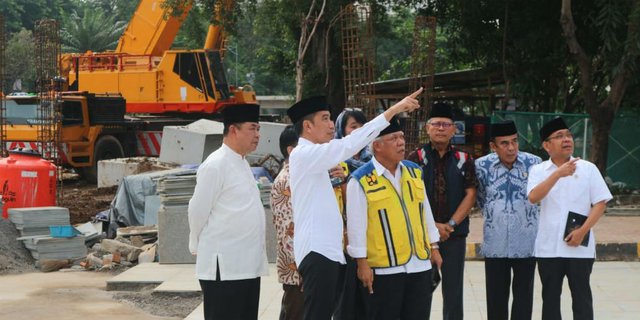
(575, 221)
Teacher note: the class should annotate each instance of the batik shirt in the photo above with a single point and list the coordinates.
(283, 221)
(510, 220)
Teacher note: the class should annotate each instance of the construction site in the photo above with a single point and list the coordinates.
(98, 163)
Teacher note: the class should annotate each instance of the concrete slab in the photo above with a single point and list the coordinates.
(190, 144)
(173, 235)
(111, 172)
(145, 275)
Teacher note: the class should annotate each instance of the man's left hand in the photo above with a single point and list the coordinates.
(575, 237)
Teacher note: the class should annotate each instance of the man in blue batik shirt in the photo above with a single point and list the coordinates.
(510, 224)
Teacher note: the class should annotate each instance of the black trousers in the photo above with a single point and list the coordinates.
(452, 251)
(320, 283)
(353, 299)
(498, 281)
(401, 296)
(578, 271)
(292, 303)
(235, 299)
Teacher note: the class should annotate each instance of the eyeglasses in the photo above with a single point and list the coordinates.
(561, 137)
(444, 125)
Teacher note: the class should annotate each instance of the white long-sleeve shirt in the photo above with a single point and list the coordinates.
(316, 216)
(357, 222)
(227, 219)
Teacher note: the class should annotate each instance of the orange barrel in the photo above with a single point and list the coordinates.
(27, 180)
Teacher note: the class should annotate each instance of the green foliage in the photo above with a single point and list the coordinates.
(20, 61)
(90, 29)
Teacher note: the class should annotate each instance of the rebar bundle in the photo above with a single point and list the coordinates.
(358, 58)
(3, 110)
(423, 54)
(47, 46)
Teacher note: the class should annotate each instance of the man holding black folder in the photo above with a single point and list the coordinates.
(572, 196)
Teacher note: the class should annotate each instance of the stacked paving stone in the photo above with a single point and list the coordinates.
(173, 222)
(33, 224)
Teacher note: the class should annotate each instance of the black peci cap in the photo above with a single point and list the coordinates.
(307, 106)
(505, 128)
(551, 127)
(441, 110)
(394, 126)
(239, 113)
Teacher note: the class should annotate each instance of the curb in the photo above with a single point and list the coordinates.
(604, 251)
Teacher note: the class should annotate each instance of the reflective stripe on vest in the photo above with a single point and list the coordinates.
(396, 226)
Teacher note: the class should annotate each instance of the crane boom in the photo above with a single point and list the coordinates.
(151, 30)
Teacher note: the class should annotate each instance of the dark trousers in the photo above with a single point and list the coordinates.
(292, 303)
(235, 299)
(452, 251)
(320, 283)
(578, 271)
(401, 296)
(498, 281)
(353, 298)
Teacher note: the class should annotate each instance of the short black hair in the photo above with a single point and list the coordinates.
(298, 125)
(357, 115)
(288, 138)
(225, 129)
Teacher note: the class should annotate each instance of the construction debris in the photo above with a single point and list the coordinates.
(36, 221)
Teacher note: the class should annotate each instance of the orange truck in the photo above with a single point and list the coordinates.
(152, 78)
(93, 128)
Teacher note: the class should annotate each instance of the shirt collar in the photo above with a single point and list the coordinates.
(429, 147)
(303, 141)
(497, 162)
(380, 169)
(231, 152)
(548, 165)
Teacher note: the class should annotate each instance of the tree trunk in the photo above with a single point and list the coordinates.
(602, 114)
(602, 121)
(299, 78)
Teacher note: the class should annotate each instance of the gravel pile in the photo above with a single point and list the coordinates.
(14, 257)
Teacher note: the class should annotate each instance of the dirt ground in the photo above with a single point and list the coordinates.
(81, 295)
(85, 200)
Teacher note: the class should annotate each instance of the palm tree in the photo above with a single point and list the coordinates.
(91, 30)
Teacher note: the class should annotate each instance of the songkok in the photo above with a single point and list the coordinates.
(551, 127)
(394, 126)
(441, 110)
(307, 106)
(502, 129)
(238, 113)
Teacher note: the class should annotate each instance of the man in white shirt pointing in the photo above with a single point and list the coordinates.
(227, 222)
(317, 243)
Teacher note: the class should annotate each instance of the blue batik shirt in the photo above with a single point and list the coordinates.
(510, 220)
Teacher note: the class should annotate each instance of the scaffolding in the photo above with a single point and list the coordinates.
(3, 110)
(423, 54)
(48, 86)
(358, 58)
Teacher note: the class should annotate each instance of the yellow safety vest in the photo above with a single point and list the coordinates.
(338, 191)
(396, 224)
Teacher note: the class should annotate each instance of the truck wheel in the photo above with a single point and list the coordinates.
(107, 147)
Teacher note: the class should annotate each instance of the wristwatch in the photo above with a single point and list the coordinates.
(452, 223)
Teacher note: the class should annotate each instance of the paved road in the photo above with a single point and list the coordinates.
(615, 285)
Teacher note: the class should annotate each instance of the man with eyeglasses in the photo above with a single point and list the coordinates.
(450, 180)
(510, 224)
(572, 196)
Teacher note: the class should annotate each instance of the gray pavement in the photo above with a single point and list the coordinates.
(617, 238)
(616, 293)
